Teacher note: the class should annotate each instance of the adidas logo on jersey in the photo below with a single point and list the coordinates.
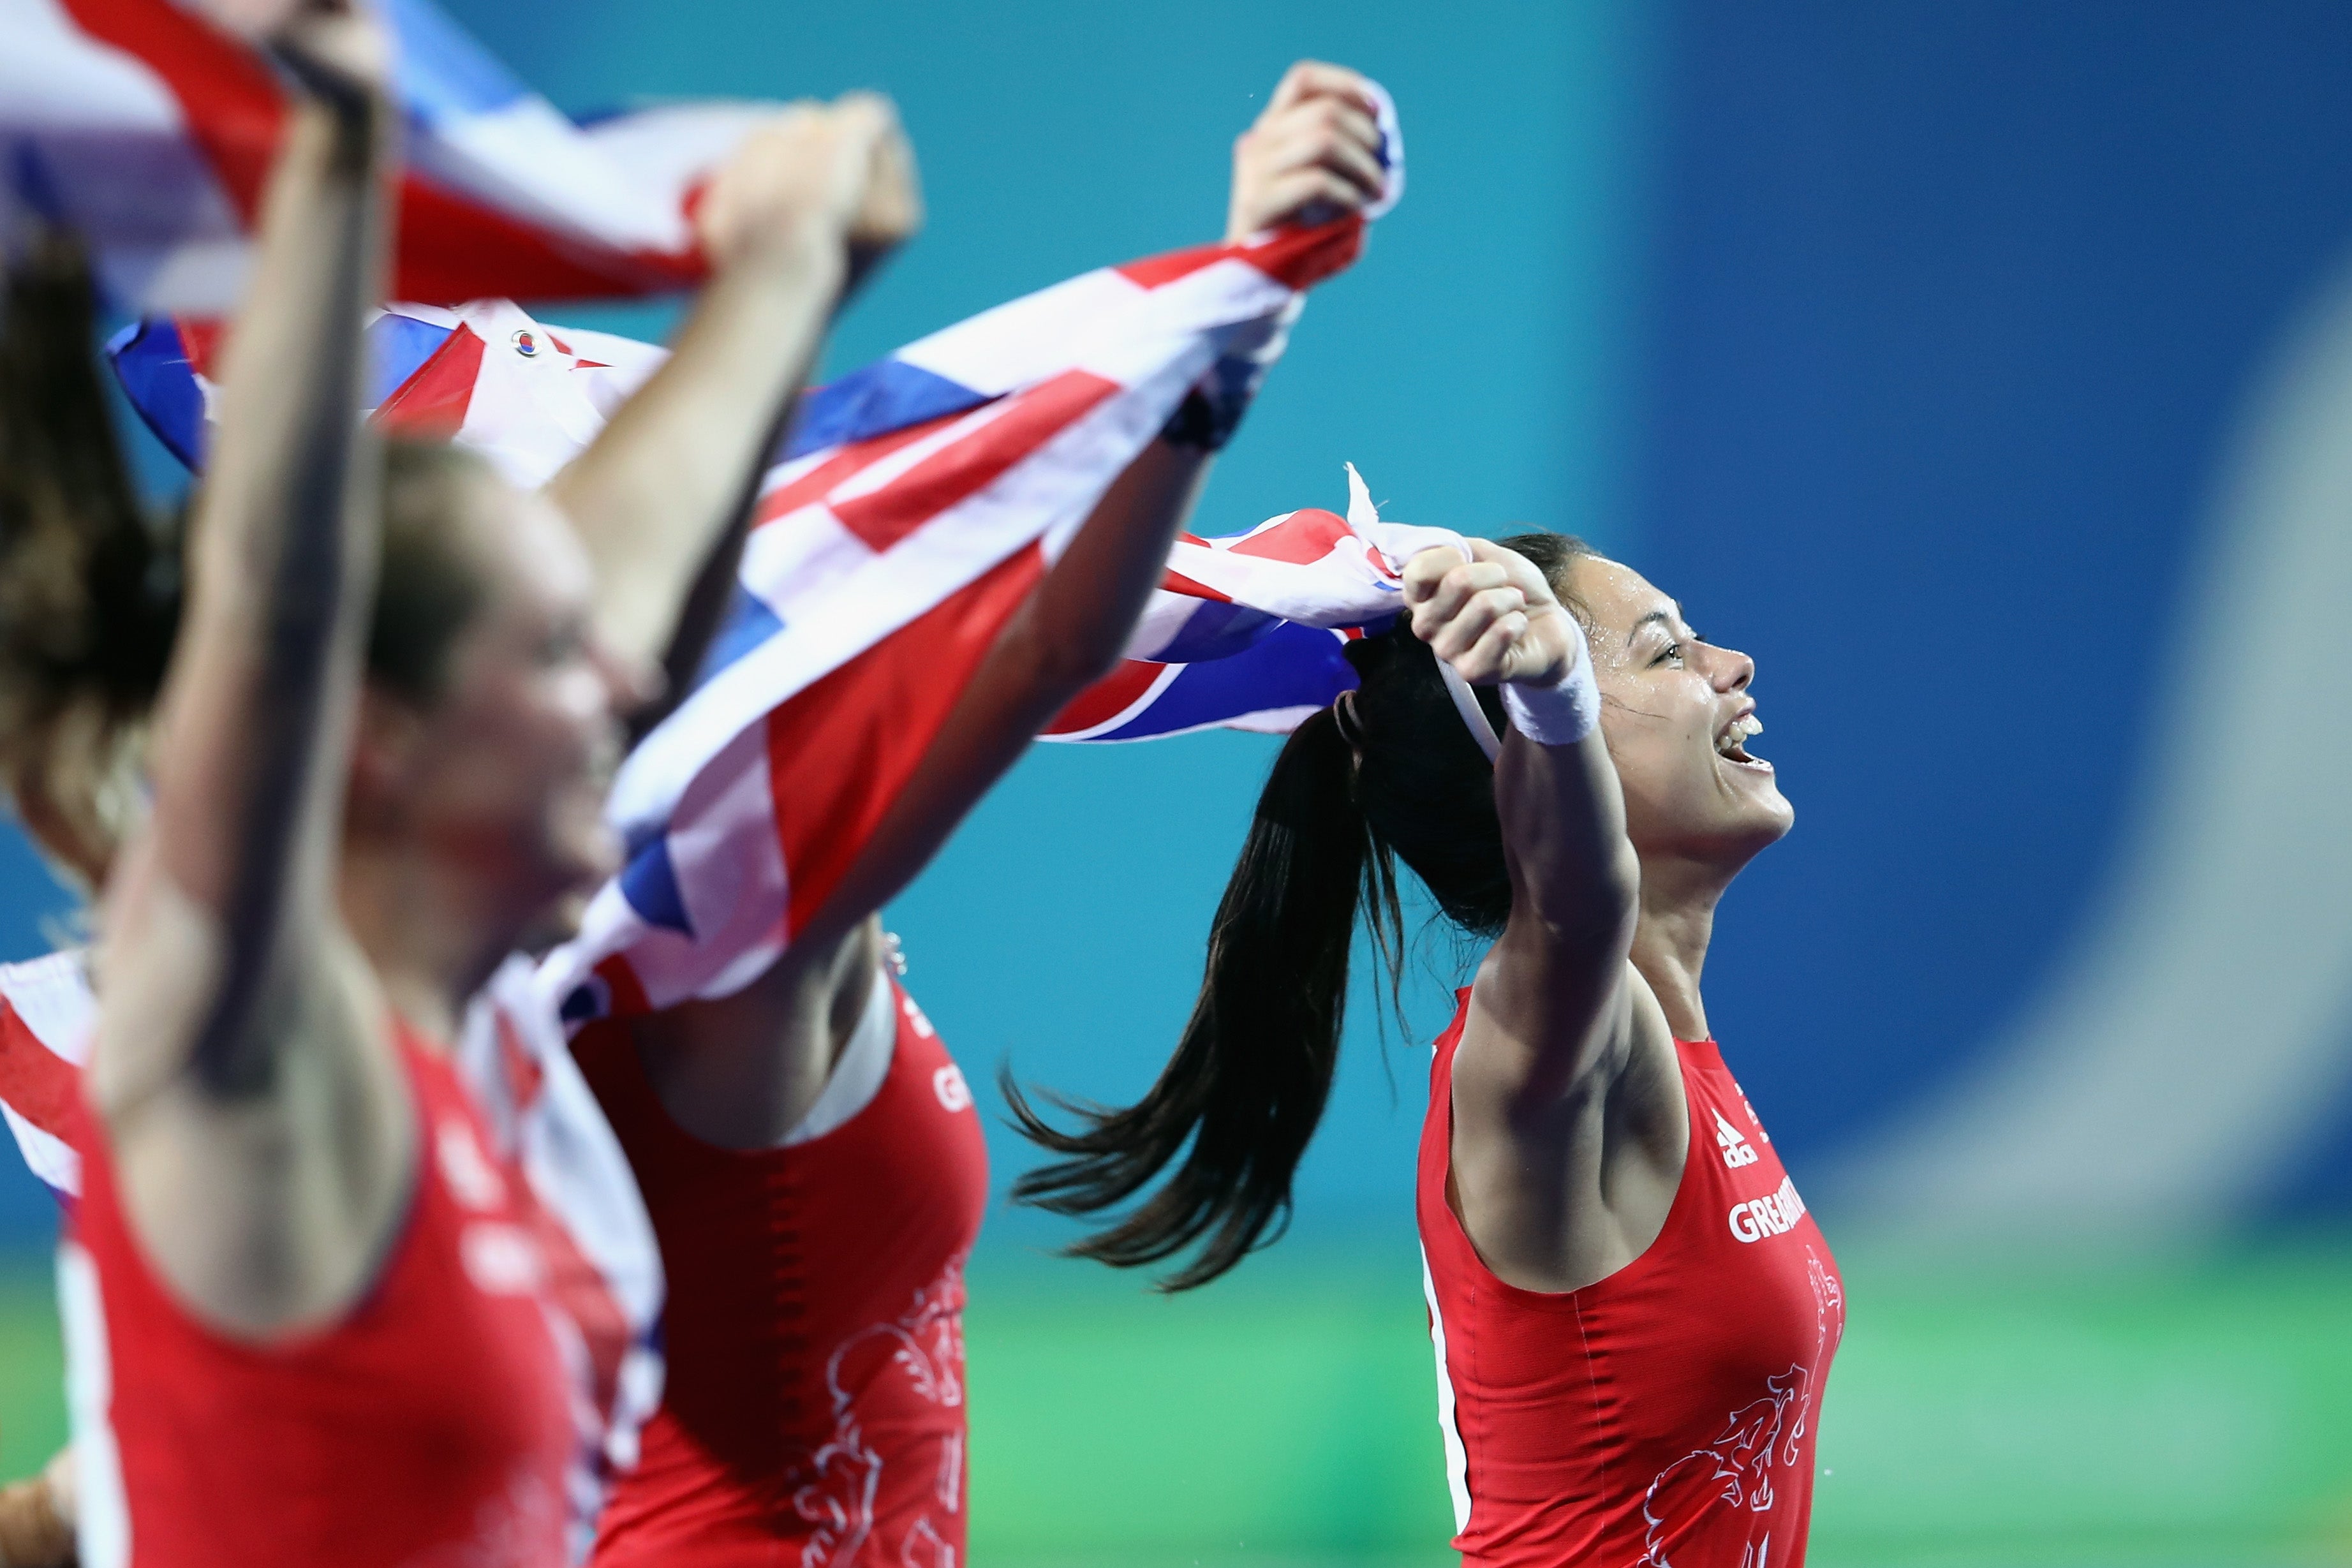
(1737, 1150)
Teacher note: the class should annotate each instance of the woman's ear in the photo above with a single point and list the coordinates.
(385, 749)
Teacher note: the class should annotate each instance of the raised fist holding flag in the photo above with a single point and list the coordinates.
(959, 541)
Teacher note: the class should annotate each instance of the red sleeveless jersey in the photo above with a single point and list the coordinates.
(1663, 1417)
(814, 1411)
(428, 1429)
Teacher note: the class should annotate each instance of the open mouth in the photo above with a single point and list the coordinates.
(1731, 745)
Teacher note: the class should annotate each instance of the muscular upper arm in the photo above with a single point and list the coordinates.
(256, 1118)
(1561, 1190)
(1554, 984)
(1563, 1121)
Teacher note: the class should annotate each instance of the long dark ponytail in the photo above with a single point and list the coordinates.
(1399, 778)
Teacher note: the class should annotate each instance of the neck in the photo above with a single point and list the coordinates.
(1671, 936)
(431, 946)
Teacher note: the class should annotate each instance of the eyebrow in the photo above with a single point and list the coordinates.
(1664, 617)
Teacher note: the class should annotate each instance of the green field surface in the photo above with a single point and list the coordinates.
(2189, 1415)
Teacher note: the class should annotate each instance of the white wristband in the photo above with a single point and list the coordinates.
(1561, 712)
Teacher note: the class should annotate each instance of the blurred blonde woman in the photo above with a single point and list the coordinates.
(470, 668)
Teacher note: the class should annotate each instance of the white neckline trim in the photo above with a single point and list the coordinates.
(858, 1077)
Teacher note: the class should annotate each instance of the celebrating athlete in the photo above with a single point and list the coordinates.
(340, 1159)
(809, 1151)
(313, 1297)
(1633, 1314)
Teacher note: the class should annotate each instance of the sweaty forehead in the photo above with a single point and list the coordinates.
(1618, 597)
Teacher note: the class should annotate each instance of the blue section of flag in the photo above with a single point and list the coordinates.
(750, 622)
(872, 400)
(649, 881)
(1292, 667)
(581, 1005)
(1216, 630)
(398, 347)
(441, 74)
(152, 363)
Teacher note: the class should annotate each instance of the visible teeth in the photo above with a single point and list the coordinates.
(1740, 730)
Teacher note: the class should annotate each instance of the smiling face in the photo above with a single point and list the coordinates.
(498, 777)
(1676, 713)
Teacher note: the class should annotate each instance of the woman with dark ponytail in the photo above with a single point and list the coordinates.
(1632, 1311)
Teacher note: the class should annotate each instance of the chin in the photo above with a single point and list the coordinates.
(1753, 825)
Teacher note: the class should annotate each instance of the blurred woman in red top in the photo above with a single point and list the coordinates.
(810, 1154)
(311, 1314)
(302, 1303)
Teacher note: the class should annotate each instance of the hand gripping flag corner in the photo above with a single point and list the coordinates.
(1246, 631)
(149, 132)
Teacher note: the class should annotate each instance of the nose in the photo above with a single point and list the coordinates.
(629, 684)
(1729, 668)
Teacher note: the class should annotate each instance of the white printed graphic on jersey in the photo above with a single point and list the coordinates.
(1774, 1214)
(949, 1085)
(918, 1356)
(1753, 1119)
(501, 1260)
(1714, 1502)
(1737, 1150)
(915, 1016)
(467, 1171)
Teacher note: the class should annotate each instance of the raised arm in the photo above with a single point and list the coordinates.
(258, 1128)
(808, 204)
(1550, 995)
(1313, 154)
(1557, 1171)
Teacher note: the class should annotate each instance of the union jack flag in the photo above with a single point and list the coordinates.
(921, 502)
(1246, 631)
(149, 132)
(917, 503)
(45, 1012)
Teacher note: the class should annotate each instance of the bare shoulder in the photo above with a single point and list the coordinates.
(742, 1070)
(1561, 1191)
(266, 1210)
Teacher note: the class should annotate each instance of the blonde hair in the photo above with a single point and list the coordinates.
(90, 582)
